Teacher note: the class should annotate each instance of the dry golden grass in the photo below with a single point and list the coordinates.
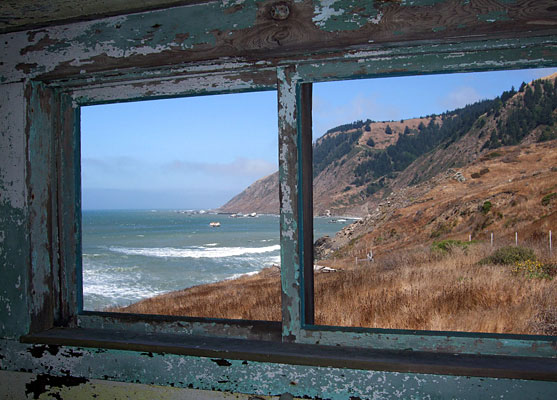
(255, 297)
(414, 289)
(449, 293)
(409, 287)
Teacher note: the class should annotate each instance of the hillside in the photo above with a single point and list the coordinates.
(501, 192)
(357, 165)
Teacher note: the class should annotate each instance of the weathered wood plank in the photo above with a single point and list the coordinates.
(306, 155)
(300, 354)
(28, 14)
(220, 30)
(188, 85)
(68, 175)
(41, 124)
(290, 213)
(258, 377)
(155, 324)
(14, 243)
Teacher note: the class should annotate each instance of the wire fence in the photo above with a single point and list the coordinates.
(492, 240)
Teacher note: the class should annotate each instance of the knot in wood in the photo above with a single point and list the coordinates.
(280, 11)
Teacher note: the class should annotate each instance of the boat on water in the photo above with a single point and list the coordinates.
(214, 224)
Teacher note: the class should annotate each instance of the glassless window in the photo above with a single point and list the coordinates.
(445, 189)
(167, 226)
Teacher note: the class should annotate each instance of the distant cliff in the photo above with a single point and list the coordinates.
(357, 165)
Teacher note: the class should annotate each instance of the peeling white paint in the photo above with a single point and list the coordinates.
(163, 87)
(231, 3)
(325, 11)
(72, 46)
(375, 20)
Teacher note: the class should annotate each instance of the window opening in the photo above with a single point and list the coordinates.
(444, 187)
(165, 227)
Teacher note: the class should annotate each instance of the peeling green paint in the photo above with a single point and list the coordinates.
(14, 250)
(439, 28)
(183, 27)
(289, 187)
(262, 378)
(13, 265)
(339, 15)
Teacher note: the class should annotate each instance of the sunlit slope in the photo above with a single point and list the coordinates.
(512, 189)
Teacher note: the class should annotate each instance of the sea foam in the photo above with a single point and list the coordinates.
(194, 252)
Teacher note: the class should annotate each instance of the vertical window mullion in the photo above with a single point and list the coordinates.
(305, 152)
(290, 213)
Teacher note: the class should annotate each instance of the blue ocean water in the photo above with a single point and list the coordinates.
(134, 254)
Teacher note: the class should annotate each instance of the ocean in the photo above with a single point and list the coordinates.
(134, 254)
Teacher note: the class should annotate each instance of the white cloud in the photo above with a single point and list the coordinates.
(240, 167)
(460, 97)
(132, 173)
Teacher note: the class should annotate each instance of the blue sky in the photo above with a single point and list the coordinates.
(198, 152)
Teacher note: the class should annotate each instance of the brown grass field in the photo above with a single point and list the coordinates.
(409, 286)
(413, 289)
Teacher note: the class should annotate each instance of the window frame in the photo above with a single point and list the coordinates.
(55, 138)
(294, 83)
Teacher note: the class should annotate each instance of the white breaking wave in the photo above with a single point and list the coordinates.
(195, 252)
(236, 276)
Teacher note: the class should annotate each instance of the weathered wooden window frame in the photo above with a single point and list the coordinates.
(53, 139)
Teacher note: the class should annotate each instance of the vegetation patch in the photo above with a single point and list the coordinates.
(442, 229)
(547, 198)
(509, 255)
(535, 269)
(477, 175)
(486, 206)
(548, 134)
(493, 154)
(446, 246)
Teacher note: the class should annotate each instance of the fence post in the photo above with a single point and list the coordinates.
(516, 238)
(356, 261)
(550, 247)
(491, 239)
(469, 238)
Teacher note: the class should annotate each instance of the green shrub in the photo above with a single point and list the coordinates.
(446, 246)
(509, 255)
(442, 229)
(486, 206)
(493, 154)
(547, 134)
(547, 198)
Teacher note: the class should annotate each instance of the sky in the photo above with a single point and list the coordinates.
(198, 152)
